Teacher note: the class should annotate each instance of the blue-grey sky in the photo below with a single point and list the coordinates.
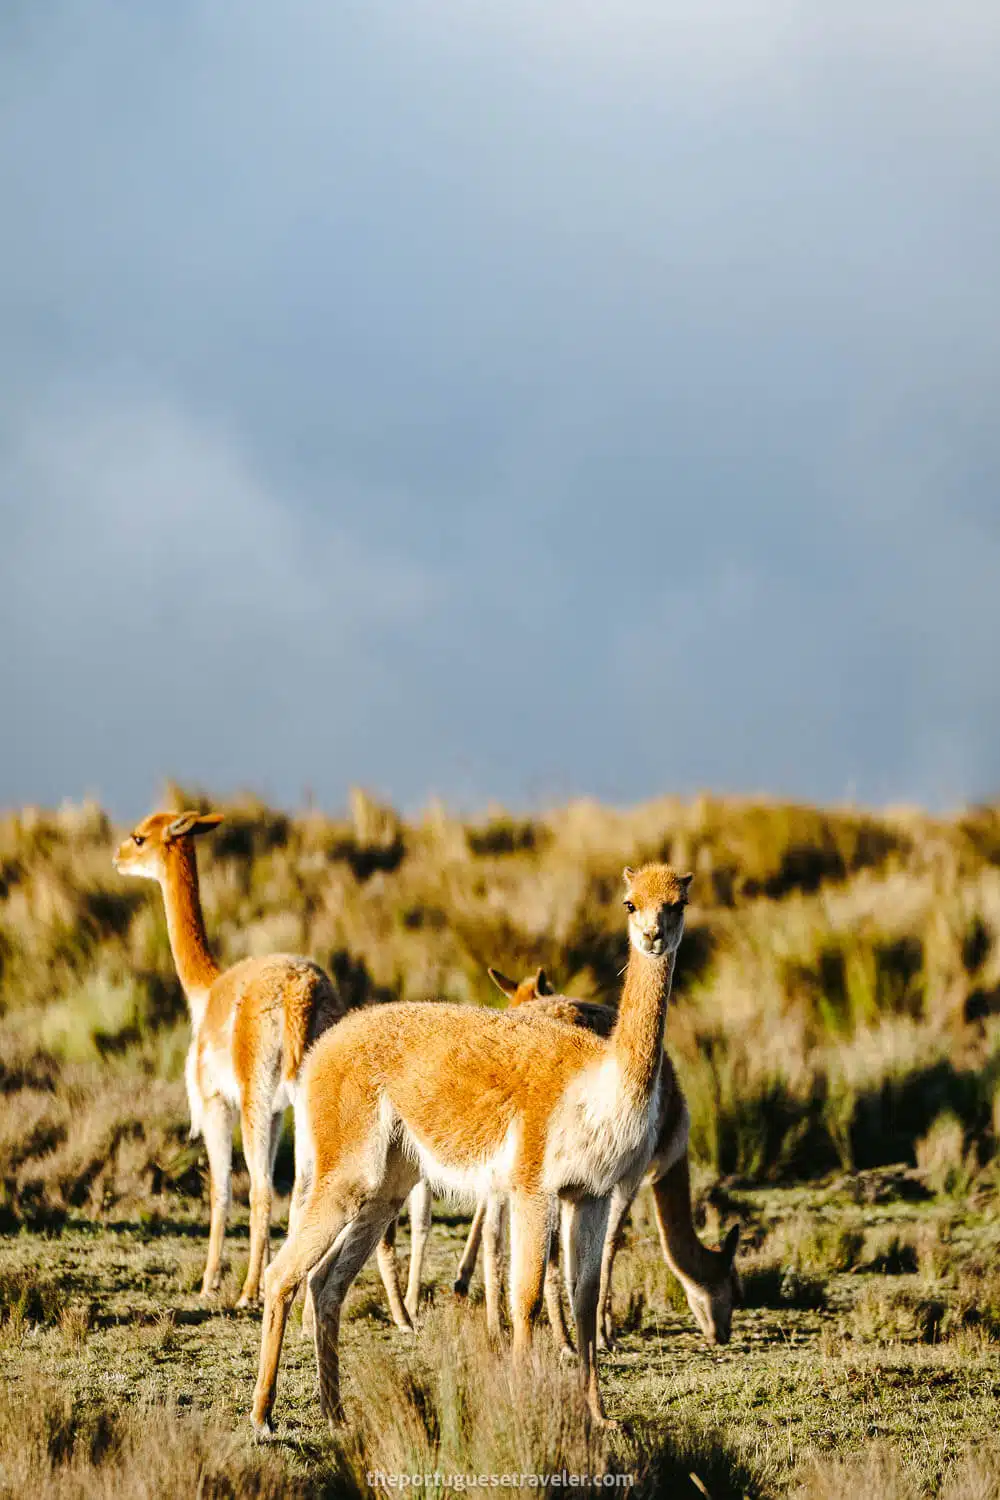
(500, 401)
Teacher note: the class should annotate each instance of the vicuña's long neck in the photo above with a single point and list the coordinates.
(642, 1014)
(682, 1248)
(196, 968)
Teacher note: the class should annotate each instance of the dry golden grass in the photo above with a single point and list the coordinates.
(837, 1010)
(51, 1445)
(837, 1001)
(884, 1471)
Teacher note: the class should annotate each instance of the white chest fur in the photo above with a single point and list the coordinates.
(596, 1137)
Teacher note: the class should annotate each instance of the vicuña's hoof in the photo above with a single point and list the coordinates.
(460, 1287)
(263, 1431)
(248, 1299)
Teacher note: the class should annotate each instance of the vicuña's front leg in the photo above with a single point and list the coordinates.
(585, 1222)
(530, 1224)
(621, 1202)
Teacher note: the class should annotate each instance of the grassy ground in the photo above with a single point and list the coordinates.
(870, 1331)
(836, 1011)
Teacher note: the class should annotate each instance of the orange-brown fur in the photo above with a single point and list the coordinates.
(252, 1026)
(476, 1100)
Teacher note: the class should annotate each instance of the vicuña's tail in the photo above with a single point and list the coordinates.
(311, 1005)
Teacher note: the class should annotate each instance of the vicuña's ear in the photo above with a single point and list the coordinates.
(191, 822)
(543, 984)
(628, 874)
(508, 986)
(730, 1243)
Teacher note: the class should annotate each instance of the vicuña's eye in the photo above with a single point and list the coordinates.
(138, 839)
(629, 907)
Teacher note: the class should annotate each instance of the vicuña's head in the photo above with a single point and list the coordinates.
(534, 987)
(655, 898)
(712, 1304)
(152, 843)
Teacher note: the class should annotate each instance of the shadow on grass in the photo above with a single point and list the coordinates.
(780, 1287)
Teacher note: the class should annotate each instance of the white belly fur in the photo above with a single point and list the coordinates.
(469, 1183)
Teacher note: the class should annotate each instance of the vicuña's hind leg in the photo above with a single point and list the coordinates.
(301, 1188)
(584, 1224)
(553, 1297)
(420, 1227)
(530, 1226)
(389, 1272)
(493, 1237)
(621, 1202)
(259, 1144)
(467, 1264)
(330, 1283)
(277, 1125)
(321, 1221)
(217, 1128)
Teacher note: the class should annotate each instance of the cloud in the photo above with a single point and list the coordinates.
(171, 612)
(623, 372)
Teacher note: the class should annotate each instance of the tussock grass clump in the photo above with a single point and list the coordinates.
(891, 1315)
(942, 1156)
(28, 1296)
(892, 1252)
(460, 1408)
(892, 1473)
(55, 1446)
(74, 1324)
(814, 1245)
(976, 1302)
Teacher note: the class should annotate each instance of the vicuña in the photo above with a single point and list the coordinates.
(252, 1025)
(709, 1277)
(476, 1101)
